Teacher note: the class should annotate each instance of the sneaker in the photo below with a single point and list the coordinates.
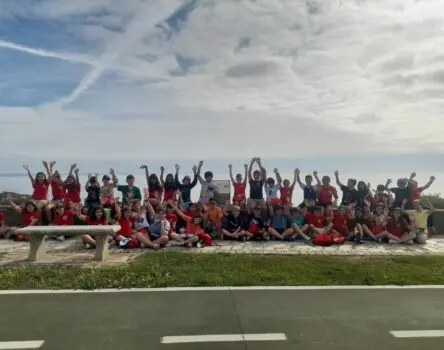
(244, 238)
(189, 245)
(199, 244)
(142, 245)
(88, 246)
(60, 238)
(156, 246)
(358, 240)
(123, 242)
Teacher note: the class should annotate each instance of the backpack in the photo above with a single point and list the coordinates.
(327, 240)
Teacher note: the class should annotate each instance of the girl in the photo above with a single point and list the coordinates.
(364, 196)
(285, 188)
(158, 230)
(194, 229)
(107, 189)
(169, 186)
(233, 225)
(56, 182)
(40, 184)
(187, 185)
(30, 217)
(340, 220)
(127, 232)
(72, 187)
(326, 193)
(271, 190)
(96, 217)
(381, 197)
(355, 225)
(398, 228)
(239, 184)
(256, 225)
(298, 224)
(317, 222)
(62, 217)
(154, 187)
(92, 187)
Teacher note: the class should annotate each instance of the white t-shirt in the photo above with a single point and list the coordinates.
(271, 192)
(142, 223)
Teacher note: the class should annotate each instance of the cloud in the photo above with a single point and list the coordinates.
(227, 78)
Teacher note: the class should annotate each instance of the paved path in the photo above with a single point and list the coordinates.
(310, 320)
(72, 248)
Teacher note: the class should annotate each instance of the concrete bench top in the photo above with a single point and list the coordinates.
(73, 230)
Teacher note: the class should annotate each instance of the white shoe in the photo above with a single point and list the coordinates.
(199, 245)
(61, 238)
(88, 246)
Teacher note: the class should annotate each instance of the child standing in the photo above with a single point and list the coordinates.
(285, 188)
(310, 190)
(239, 184)
(209, 187)
(256, 181)
(169, 186)
(326, 193)
(349, 192)
(72, 187)
(187, 185)
(129, 191)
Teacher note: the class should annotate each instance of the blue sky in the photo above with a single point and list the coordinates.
(317, 82)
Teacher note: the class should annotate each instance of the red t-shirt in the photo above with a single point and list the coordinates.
(172, 219)
(239, 191)
(416, 193)
(326, 194)
(155, 194)
(64, 220)
(73, 193)
(315, 220)
(191, 214)
(340, 221)
(286, 194)
(40, 191)
(96, 222)
(28, 216)
(380, 198)
(58, 192)
(126, 227)
(2, 217)
(170, 195)
(396, 229)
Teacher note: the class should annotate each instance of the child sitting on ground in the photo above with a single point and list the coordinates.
(298, 223)
(62, 217)
(96, 217)
(233, 226)
(194, 229)
(419, 217)
(280, 225)
(213, 215)
(317, 222)
(30, 217)
(256, 225)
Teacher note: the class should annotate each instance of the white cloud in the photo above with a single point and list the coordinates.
(237, 78)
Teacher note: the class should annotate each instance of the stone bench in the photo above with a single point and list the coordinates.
(37, 235)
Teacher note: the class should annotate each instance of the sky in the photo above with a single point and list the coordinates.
(349, 84)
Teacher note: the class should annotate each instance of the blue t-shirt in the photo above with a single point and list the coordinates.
(280, 221)
(310, 192)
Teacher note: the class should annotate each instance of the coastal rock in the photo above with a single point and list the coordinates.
(17, 198)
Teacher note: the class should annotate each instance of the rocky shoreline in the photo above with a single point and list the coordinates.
(17, 198)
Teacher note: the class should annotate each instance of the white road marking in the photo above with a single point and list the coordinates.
(216, 338)
(201, 289)
(13, 345)
(418, 334)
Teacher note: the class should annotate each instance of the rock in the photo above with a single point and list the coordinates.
(17, 198)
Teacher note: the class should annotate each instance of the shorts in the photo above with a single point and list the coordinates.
(343, 231)
(275, 201)
(420, 231)
(240, 197)
(251, 202)
(377, 230)
(108, 201)
(324, 205)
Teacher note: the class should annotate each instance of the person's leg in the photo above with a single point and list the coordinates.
(228, 234)
(191, 241)
(145, 240)
(161, 241)
(407, 238)
(359, 233)
(88, 241)
(302, 231)
(328, 228)
(288, 234)
(274, 233)
(368, 232)
(421, 237)
(176, 237)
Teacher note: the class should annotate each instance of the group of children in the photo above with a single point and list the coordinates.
(164, 211)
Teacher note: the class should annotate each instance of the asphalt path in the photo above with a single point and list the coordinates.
(308, 319)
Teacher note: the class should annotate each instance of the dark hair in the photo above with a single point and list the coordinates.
(270, 180)
(256, 172)
(201, 223)
(106, 177)
(212, 199)
(170, 185)
(326, 178)
(40, 173)
(208, 174)
(93, 213)
(130, 177)
(154, 183)
(31, 203)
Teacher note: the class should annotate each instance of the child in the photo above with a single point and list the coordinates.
(107, 190)
(256, 181)
(417, 191)
(355, 224)
(381, 197)
(55, 180)
(280, 224)
(169, 186)
(127, 232)
(92, 187)
(349, 192)
(398, 228)
(233, 225)
(298, 223)
(129, 191)
(363, 195)
(317, 222)
(214, 215)
(419, 218)
(96, 217)
(326, 193)
(3, 227)
(30, 217)
(187, 185)
(310, 190)
(158, 230)
(379, 229)
(40, 184)
(256, 225)
(171, 218)
(402, 192)
(72, 187)
(285, 188)
(62, 217)
(155, 188)
(239, 184)
(194, 229)
(209, 187)
(340, 220)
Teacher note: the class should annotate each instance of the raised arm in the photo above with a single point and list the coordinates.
(76, 172)
(246, 174)
(263, 170)
(298, 178)
(294, 179)
(13, 205)
(79, 213)
(230, 171)
(117, 208)
(176, 174)
(278, 177)
(71, 169)
(29, 174)
(162, 172)
(48, 170)
(147, 174)
(177, 210)
(430, 205)
(150, 210)
(428, 184)
(316, 176)
(250, 169)
(199, 169)
(114, 178)
(194, 182)
(338, 181)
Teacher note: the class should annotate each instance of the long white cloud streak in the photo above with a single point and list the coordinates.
(147, 16)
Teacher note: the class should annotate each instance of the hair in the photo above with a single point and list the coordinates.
(170, 185)
(208, 174)
(256, 172)
(40, 173)
(212, 199)
(201, 223)
(325, 178)
(270, 180)
(154, 183)
(31, 203)
(93, 213)
(130, 177)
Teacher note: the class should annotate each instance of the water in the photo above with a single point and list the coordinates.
(20, 182)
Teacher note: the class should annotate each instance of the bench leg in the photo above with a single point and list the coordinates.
(101, 247)
(37, 247)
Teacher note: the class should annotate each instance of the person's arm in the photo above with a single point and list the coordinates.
(117, 208)
(294, 179)
(338, 181)
(79, 213)
(114, 178)
(298, 178)
(278, 177)
(29, 174)
(263, 170)
(199, 169)
(412, 176)
(250, 169)
(76, 172)
(71, 169)
(430, 205)
(230, 171)
(194, 182)
(162, 172)
(318, 181)
(14, 206)
(176, 175)
(150, 210)
(177, 210)
(335, 193)
(48, 170)
(227, 204)
(51, 166)
(404, 202)
(147, 174)
(428, 184)
(87, 184)
(387, 184)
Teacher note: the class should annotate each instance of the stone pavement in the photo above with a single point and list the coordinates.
(71, 251)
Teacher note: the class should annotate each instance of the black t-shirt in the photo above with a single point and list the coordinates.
(232, 223)
(254, 222)
(349, 195)
(185, 190)
(400, 195)
(256, 189)
(93, 194)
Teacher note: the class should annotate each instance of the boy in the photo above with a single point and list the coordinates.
(419, 217)
(256, 181)
(349, 192)
(298, 224)
(233, 225)
(417, 191)
(187, 184)
(280, 224)
(214, 215)
(256, 225)
(310, 190)
(209, 187)
(402, 192)
(317, 222)
(340, 220)
(129, 191)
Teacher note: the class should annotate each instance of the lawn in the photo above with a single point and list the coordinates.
(172, 269)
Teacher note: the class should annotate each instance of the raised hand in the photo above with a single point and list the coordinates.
(297, 171)
(52, 163)
(275, 170)
(230, 166)
(162, 169)
(45, 163)
(246, 166)
(177, 167)
(412, 175)
(76, 171)
(432, 178)
(111, 171)
(73, 166)
(336, 173)
(25, 167)
(389, 181)
(201, 163)
(315, 173)
(194, 169)
(144, 167)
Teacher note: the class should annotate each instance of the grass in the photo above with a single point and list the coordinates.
(171, 269)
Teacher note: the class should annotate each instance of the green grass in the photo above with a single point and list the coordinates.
(170, 269)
